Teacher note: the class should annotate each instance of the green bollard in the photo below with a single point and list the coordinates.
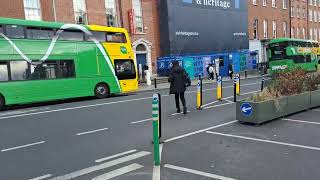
(155, 117)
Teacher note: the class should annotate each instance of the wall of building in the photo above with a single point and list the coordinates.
(270, 14)
(12, 9)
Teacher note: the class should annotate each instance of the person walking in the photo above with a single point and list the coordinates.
(211, 72)
(179, 80)
(230, 71)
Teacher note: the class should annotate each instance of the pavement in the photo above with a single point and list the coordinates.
(111, 138)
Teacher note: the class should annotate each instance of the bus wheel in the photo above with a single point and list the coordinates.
(2, 103)
(101, 90)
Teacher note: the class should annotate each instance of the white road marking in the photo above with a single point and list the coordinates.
(23, 146)
(102, 166)
(200, 131)
(22, 111)
(226, 98)
(266, 141)
(219, 105)
(73, 108)
(300, 121)
(115, 156)
(318, 110)
(174, 114)
(229, 101)
(93, 131)
(42, 177)
(210, 103)
(118, 172)
(145, 120)
(205, 174)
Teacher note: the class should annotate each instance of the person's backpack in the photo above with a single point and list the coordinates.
(187, 81)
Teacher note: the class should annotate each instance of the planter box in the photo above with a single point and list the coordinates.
(297, 103)
(315, 98)
(261, 111)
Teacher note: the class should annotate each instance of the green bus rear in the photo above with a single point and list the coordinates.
(286, 54)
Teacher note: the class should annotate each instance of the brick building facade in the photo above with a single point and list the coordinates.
(145, 40)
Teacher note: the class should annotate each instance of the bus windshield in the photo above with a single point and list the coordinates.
(278, 51)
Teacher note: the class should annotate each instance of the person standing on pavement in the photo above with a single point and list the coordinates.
(179, 80)
(230, 71)
(211, 72)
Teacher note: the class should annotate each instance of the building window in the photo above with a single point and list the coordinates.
(254, 2)
(319, 16)
(315, 32)
(264, 3)
(298, 12)
(315, 2)
(292, 11)
(303, 13)
(310, 34)
(32, 9)
(274, 3)
(298, 33)
(310, 15)
(303, 33)
(315, 17)
(310, 2)
(255, 29)
(284, 4)
(265, 29)
(138, 15)
(274, 29)
(111, 10)
(284, 29)
(80, 11)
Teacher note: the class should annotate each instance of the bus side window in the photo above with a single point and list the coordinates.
(99, 36)
(15, 31)
(1, 29)
(39, 33)
(67, 69)
(19, 70)
(72, 35)
(4, 76)
(116, 37)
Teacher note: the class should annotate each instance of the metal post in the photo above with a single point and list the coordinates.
(160, 118)
(235, 89)
(201, 97)
(199, 94)
(155, 83)
(155, 117)
(238, 84)
(219, 88)
(262, 83)
(245, 74)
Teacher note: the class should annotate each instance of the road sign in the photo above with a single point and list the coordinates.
(246, 109)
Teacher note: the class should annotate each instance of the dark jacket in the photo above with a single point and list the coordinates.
(179, 80)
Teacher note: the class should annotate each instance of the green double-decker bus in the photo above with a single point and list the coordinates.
(43, 61)
(286, 54)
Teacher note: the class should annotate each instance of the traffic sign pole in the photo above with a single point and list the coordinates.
(155, 117)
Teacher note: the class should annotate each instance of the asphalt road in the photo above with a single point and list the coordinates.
(69, 139)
